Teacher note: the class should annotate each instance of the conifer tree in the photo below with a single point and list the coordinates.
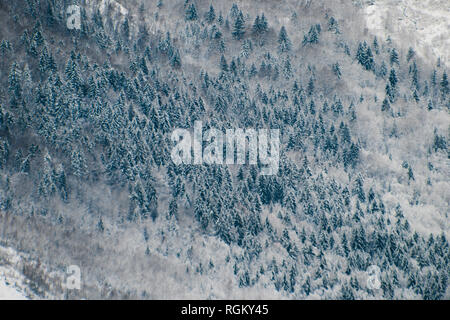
(284, 43)
(393, 58)
(191, 13)
(444, 85)
(393, 79)
(210, 16)
(239, 27)
(385, 106)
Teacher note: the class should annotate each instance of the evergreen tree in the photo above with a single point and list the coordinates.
(61, 182)
(433, 78)
(234, 11)
(410, 54)
(46, 61)
(239, 27)
(410, 173)
(445, 89)
(14, 79)
(310, 86)
(287, 69)
(369, 65)
(191, 13)
(100, 226)
(126, 29)
(313, 35)
(393, 58)
(364, 56)
(383, 70)
(5, 48)
(79, 165)
(284, 43)
(390, 93)
(175, 60)
(393, 79)
(416, 96)
(260, 26)
(173, 209)
(333, 25)
(385, 106)
(46, 185)
(336, 70)
(210, 16)
(361, 54)
(223, 64)
(415, 77)
(376, 46)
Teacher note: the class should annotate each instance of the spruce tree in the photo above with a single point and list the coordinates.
(393, 58)
(393, 78)
(385, 106)
(191, 13)
(444, 85)
(15, 87)
(337, 70)
(223, 64)
(210, 16)
(239, 27)
(369, 65)
(284, 43)
(375, 46)
(361, 54)
(175, 60)
(410, 54)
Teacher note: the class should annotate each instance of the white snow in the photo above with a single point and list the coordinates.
(421, 24)
(114, 5)
(9, 292)
(11, 281)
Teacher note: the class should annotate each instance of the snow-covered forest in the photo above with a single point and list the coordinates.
(86, 177)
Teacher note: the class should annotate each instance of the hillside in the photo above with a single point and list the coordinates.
(89, 105)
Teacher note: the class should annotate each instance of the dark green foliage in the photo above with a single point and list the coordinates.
(394, 57)
(175, 60)
(445, 89)
(239, 27)
(312, 37)
(223, 64)
(333, 25)
(337, 70)
(393, 78)
(260, 25)
(284, 43)
(364, 56)
(411, 53)
(385, 106)
(210, 16)
(191, 13)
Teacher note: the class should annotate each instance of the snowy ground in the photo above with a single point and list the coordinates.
(8, 291)
(11, 281)
(421, 24)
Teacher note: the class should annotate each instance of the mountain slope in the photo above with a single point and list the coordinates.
(86, 123)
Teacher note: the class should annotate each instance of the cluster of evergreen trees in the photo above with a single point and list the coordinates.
(73, 115)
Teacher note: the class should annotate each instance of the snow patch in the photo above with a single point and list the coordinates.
(11, 281)
(117, 7)
(421, 24)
